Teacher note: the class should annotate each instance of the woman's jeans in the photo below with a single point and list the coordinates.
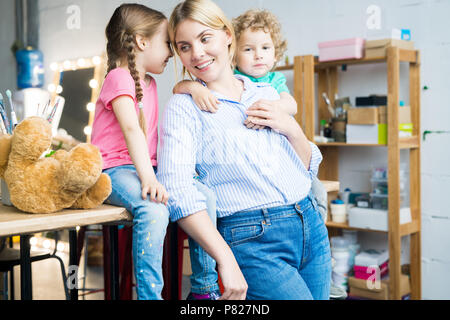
(150, 222)
(283, 252)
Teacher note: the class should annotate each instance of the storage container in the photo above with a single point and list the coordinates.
(341, 49)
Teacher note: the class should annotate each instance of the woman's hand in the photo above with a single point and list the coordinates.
(156, 190)
(263, 113)
(235, 286)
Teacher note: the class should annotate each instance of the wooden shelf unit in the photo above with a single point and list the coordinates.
(305, 68)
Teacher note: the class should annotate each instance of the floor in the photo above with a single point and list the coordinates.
(48, 282)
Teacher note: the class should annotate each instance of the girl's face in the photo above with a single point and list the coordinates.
(255, 53)
(203, 50)
(156, 51)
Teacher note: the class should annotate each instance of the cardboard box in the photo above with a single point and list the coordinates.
(362, 115)
(374, 133)
(404, 114)
(378, 48)
(360, 288)
(374, 219)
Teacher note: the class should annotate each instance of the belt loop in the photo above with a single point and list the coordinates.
(266, 216)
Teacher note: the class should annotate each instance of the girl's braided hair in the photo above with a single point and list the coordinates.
(128, 21)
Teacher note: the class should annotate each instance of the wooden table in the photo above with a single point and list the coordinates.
(14, 222)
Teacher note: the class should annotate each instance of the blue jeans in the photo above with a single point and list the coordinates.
(204, 275)
(150, 222)
(283, 252)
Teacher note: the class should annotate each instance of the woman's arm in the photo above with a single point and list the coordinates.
(181, 135)
(125, 112)
(199, 227)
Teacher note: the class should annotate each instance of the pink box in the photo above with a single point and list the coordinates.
(362, 272)
(341, 49)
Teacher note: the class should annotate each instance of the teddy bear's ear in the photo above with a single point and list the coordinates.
(5, 149)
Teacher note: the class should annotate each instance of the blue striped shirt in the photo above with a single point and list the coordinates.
(246, 168)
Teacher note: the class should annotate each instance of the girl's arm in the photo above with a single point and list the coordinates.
(201, 95)
(124, 109)
(200, 228)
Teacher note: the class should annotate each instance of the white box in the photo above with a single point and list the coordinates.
(362, 133)
(374, 219)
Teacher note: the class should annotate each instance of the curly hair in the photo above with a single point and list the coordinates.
(262, 20)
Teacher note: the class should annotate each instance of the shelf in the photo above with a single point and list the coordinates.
(404, 56)
(344, 144)
(404, 143)
(339, 225)
(405, 229)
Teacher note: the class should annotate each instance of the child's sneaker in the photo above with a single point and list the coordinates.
(215, 295)
(337, 293)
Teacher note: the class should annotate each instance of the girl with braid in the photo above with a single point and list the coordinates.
(125, 130)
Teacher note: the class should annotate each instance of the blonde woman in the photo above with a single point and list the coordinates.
(262, 178)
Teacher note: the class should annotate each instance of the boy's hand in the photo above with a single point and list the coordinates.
(205, 100)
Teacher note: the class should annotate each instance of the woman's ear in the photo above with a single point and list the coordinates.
(228, 37)
(141, 42)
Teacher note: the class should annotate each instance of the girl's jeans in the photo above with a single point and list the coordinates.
(283, 252)
(150, 222)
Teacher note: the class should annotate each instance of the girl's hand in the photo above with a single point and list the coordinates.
(156, 190)
(204, 99)
(249, 123)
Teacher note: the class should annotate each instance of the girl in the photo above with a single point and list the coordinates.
(125, 130)
(262, 178)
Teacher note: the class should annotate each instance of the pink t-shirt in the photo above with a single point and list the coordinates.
(106, 132)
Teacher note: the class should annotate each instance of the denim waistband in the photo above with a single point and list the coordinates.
(271, 213)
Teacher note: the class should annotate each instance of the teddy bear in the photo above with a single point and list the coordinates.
(39, 184)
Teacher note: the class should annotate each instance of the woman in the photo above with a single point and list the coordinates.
(262, 178)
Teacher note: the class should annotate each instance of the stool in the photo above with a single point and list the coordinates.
(10, 257)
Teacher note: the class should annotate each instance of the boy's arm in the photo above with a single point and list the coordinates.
(202, 96)
(287, 103)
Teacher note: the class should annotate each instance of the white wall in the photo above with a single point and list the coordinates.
(305, 23)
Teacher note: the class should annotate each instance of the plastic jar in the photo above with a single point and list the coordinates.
(30, 68)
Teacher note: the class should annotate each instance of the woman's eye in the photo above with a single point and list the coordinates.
(184, 48)
(266, 48)
(205, 39)
(247, 49)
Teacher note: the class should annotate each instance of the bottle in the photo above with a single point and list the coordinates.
(30, 68)
(327, 131)
(323, 122)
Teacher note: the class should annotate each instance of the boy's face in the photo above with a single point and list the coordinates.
(255, 54)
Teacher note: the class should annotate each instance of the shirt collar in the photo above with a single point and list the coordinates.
(266, 78)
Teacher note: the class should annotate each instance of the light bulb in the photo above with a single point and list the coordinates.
(93, 84)
(90, 107)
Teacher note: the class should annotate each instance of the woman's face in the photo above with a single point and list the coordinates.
(203, 50)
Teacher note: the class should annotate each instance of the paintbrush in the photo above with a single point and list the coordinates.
(13, 113)
(52, 114)
(3, 114)
(330, 108)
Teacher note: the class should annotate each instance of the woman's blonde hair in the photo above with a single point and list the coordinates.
(205, 12)
(128, 21)
(262, 20)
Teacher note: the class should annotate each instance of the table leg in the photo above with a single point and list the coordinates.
(114, 261)
(73, 261)
(25, 268)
